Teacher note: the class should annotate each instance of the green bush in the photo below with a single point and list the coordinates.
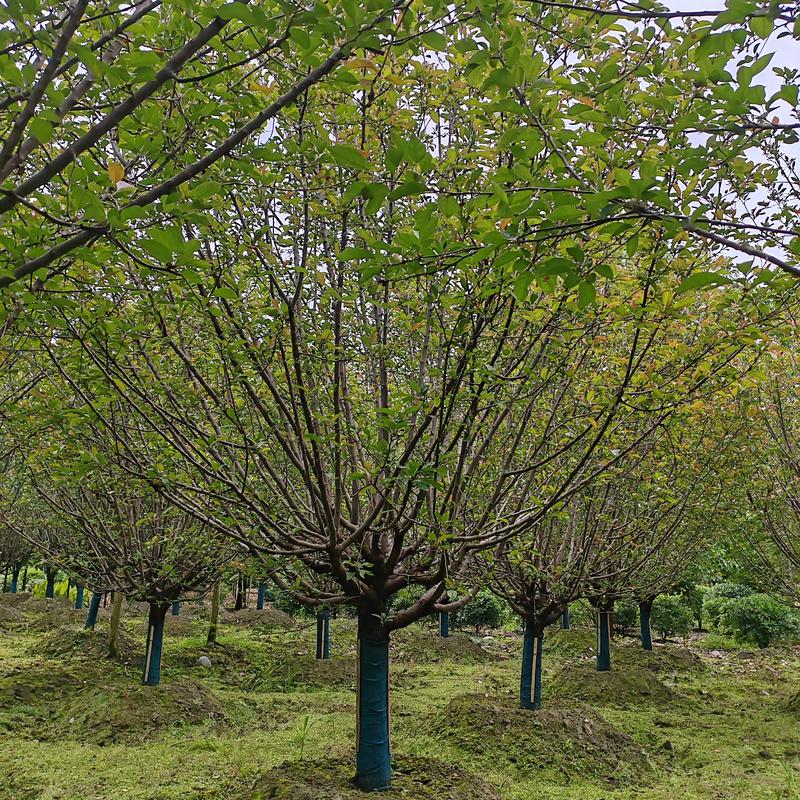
(695, 595)
(762, 620)
(581, 614)
(717, 603)
(406, 598)
(485, 610)
(671, 616)
(626, 615)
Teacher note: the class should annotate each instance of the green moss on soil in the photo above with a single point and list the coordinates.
(559, 743)
(623, 686)
(572, 642)
(414, 778)
(414, 647)
(250, 617)
(84, 645)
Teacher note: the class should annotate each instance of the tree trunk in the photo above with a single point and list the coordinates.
(262, 592)
(645, 607)
(5, 581)
(214, 620)
(25, 578)
(373, 759)
(113, 630)
(151, 675)
(444, 624)
(530, 685)
(94, 607)
(238, 603)
(50, 588)
(14, 579)
(176, 609)
(323, 635)
(565, 620)
(79, 597)
(604, 618)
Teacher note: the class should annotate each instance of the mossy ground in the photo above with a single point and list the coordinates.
(265, 717)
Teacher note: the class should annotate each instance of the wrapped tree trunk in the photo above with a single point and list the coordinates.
(530, 686)
(113, 630)
(14, 579)
(151, 675)
(176, 609)
(94, 607)
(645, 607)
(79, 597)
(50, 588)
(565, 620)
(444, 624)
(604, 615)
(214, 620)
(373, 760)
(262, 592)
(323, 634)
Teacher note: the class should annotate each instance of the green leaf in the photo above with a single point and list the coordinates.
(761, 26)
(522, 286)
(587, 294)
(346, 156)
(160, 252)
(700, 280)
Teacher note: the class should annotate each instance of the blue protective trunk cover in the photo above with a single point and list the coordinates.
(50, 591)
(373, 761)
(151, 675)
(176, 608)
(79, 597)
(565, 619)
(323, 634)
(604, 641)
(530, 685)
(444, 624)
(262, 593)
(94, 607)
(644, 625)
(13, 589)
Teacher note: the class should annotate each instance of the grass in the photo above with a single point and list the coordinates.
(75, 726)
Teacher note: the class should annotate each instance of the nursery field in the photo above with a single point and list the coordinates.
(266, 720)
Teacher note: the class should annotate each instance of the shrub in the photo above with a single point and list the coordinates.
(284, 601)
(485, 610)
(626, 615)
(695, 596)
(581, 614)
(718, 601)
(761, 620)
(671, 616)
(406, 598)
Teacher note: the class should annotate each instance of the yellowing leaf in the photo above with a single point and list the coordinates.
(116, 172)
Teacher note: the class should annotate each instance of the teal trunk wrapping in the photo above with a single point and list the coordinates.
(50, 590)
(262, 593)
(94, 607)
(323, 634)
(176, 608)
(373, 762)
(14, 577)
(151, 675)
(565, 619)
(79, 597)
(444, 624)
(644, 624)
(603, 641)
(530, 684)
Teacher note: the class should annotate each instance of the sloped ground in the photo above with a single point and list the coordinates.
(413, 778)
(622, 686)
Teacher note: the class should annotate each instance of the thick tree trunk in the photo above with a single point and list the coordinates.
(373, 759)
(214, 620)
(604, 616)
(176, 609)
(25, 578)
(50, 588)
(444, 624)
(262, 593)
(565, 620)
(323, 635)
(113, 630)
(79, 597)
(94, 607)
(645, 607)
(151, 675)
(530, 685)
(238, 603)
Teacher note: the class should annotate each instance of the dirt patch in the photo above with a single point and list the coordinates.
(413, 777)
(426, 648)
(251, 618)
(11, 616)
(622, 686)
(16, 600)
(560, 744)
(83, 644)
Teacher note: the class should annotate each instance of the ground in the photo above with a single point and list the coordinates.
(266, 720)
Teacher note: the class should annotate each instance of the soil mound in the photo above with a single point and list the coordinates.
(11, 616)
(558, 743)
(622, 686)
(572, 642)
(83, 644)
(427, 648)
(250, 617)
(414, 778)
(328, 673)
(16, 600)
(663, 658)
